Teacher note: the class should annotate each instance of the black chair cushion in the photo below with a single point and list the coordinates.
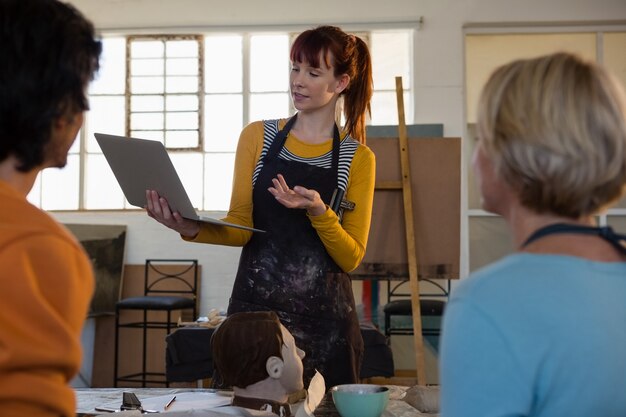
(156, 302)
(403, 307)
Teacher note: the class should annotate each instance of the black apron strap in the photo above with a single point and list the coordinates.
(280, 138)
(605, 232)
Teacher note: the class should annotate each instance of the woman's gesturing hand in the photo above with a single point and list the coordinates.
(298, 197)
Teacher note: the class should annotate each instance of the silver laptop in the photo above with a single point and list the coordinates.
(140, 165)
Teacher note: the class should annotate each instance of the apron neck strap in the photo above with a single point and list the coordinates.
(606, 232)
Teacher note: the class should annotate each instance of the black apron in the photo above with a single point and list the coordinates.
(288, 270)
(605, 232)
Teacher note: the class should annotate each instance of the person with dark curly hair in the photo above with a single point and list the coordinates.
(48, 55)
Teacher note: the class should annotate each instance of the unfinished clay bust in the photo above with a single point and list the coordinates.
(256, 355)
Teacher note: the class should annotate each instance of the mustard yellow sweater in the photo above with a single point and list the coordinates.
(46, 284)
(344, 242)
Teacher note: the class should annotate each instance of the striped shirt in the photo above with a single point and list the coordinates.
(347, 148)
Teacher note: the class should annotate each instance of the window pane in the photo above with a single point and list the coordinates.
(181, 121)
(218, 178)
(179, 48)
(269, 63)
(146, 85)
(147, 67)
(107, 115)
(180, 66)
(185, 102)
(391, 52)
(182, 139)
(146, 49)
(111, 77)
(223, 75)
(102, 190)
(269, 106)
(181, 84)
(146, 103)
(189, 168)
(60, 186)
(222, 122)
(146, 121)
(148, 134)
(385, 108)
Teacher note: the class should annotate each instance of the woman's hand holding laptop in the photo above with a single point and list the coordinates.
(158, 208)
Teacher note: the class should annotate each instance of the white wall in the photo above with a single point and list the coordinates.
(145, 238)
(438, 77)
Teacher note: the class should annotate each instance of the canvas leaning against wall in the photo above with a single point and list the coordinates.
(105, 246)
(435, 171)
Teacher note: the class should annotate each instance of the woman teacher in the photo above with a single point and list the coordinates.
(289, 178)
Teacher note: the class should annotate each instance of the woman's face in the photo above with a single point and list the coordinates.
(315, 87)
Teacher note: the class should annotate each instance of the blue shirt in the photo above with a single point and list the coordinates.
(536, 335)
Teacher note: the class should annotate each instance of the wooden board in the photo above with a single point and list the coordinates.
(436, 193)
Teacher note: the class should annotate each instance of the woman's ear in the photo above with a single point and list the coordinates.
(274, 367)
(342, 83)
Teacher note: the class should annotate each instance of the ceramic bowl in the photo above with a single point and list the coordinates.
(360, 400)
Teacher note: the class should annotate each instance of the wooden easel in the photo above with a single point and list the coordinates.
(405, 186)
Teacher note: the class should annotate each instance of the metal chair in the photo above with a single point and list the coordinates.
(432, 306)
(169, 285)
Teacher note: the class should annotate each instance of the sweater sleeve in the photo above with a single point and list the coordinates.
(46, 288)
(346, 242)
(240, 211)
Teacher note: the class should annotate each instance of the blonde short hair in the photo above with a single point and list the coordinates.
(555, 129)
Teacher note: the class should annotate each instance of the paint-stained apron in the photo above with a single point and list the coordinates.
(288, 270)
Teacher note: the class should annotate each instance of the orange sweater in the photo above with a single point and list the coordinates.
(46, 284)
(345, 242)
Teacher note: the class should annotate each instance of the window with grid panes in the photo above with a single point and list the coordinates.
(195, 93)
(164, 89)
